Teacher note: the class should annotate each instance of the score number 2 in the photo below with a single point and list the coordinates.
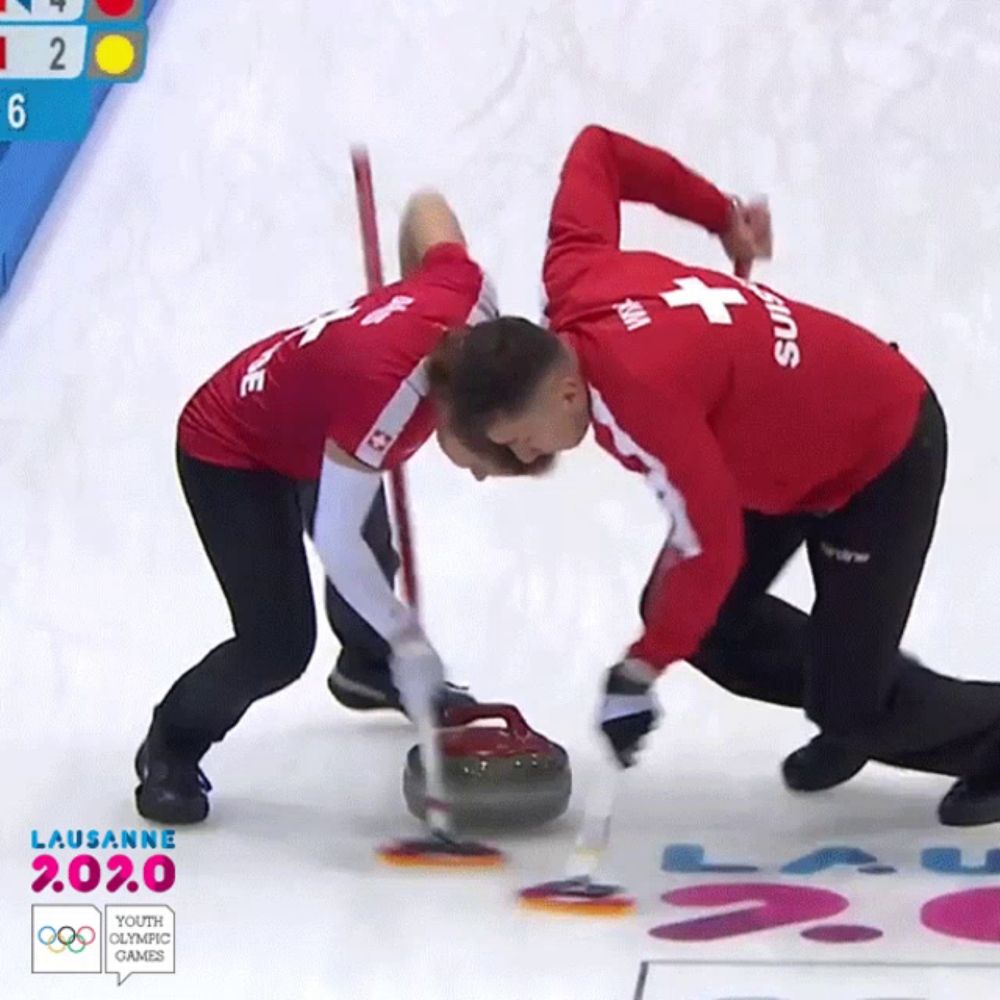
(17, 112)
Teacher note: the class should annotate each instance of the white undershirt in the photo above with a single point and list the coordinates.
(346, 495)
(344, 501)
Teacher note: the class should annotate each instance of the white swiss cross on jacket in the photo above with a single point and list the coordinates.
(713, 302)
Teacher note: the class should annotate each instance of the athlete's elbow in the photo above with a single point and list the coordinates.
(593, 132)
(591, 137)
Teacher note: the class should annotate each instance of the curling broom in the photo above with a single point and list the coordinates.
(440, 848)
(578, 892)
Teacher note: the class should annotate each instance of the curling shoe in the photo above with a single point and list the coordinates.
(172, 788)
(973, 801)
(363, 686)
(821, 764)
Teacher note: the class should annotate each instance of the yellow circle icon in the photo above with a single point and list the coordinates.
(114, 54)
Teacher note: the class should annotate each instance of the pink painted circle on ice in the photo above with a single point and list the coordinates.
(132, 887)
(57, 886)
(842, 934)
(973, 914)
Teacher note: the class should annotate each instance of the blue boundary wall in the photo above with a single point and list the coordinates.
(30, 175)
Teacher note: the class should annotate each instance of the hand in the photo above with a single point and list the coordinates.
(629, 709)
(418, 673)
(748, 236)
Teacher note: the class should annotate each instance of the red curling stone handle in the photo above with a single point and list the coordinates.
(462, 715)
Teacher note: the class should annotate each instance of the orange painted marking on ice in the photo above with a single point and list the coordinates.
(620, 906)
(401, 859)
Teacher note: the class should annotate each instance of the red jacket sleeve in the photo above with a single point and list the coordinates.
(604, 168)
(705, 548)
(458, 291)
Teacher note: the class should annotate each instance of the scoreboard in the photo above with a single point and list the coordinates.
(54, 54)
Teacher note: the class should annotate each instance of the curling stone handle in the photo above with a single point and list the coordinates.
(462, 715)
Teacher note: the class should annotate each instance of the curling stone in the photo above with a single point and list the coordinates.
(497, 777)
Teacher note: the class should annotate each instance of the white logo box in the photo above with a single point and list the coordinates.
(692, 980)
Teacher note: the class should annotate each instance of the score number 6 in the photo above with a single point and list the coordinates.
(17, 112)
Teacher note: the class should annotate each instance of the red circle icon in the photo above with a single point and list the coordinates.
(115, 8)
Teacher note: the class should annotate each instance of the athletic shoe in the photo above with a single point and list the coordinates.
(821, 764)
(172, 788)
(364, 686)
(972, 801)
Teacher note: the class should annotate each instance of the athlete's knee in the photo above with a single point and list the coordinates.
(728, 635)
(718, 666)
(280, 653)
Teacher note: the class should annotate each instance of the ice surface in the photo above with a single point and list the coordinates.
(214, 204)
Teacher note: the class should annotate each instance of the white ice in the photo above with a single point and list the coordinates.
(212, 204)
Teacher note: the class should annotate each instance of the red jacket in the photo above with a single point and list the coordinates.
(724, 394)
(355, 376)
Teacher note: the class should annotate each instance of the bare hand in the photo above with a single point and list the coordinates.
(748, 237)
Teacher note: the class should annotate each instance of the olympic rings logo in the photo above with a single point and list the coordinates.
(65, 937)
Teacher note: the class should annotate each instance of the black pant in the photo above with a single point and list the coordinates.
(251, 525)
(842, 662)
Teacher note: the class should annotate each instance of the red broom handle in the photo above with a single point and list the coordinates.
(373, 273)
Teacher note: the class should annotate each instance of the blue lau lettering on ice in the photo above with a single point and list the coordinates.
(828, 857)
(690, 858)
(948, 861)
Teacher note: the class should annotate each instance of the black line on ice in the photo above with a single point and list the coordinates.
(640, 985)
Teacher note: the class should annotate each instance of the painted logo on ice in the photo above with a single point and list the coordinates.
(968, 915)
